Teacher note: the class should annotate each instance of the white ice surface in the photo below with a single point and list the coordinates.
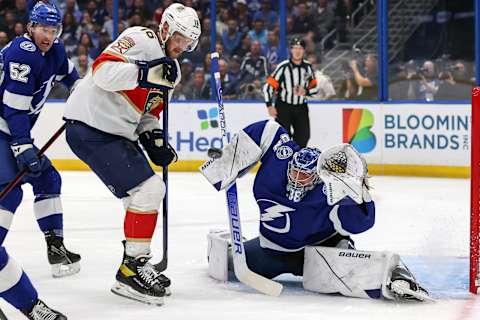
(424, 219)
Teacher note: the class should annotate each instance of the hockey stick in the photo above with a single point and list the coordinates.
(2, 315)
(240, 267)
(162, 265)
(24, 171)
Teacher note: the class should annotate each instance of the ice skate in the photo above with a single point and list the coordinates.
(41, 311)
(404, 286)
(64, 263)
(138, 280)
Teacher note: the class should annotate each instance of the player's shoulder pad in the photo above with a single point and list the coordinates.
(264, 133)
(23, 50)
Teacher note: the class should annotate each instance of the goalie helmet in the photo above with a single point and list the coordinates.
(183, 20)
(302, 173)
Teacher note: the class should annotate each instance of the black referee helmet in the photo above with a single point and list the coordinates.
(297, 42)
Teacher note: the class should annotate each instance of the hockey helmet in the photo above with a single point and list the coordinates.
(46, 14)
(302, 173)
(183, 20)
(297, 42)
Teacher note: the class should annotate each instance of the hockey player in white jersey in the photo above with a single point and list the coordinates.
(116, 106)
(310, 204)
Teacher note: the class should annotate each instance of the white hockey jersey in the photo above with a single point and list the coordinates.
(109, 99)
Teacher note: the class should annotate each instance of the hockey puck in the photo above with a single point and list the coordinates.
(214, 153)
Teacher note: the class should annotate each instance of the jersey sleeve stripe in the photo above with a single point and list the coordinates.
(17, 101)
(105, 57)
(272, 82)
(337, 223)
(268, 134)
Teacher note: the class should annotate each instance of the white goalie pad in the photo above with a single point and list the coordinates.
(352, 273)
(241, 153)
(343, 171)
(217, 253)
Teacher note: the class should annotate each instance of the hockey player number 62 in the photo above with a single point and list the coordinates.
(19, 72)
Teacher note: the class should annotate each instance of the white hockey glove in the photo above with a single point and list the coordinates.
(344, 173)
(158, 74)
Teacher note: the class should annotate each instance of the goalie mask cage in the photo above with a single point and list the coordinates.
(475, 192)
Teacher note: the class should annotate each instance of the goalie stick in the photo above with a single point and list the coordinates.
(240, 267)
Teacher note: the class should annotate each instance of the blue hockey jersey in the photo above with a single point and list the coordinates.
(289, 226)
(27, 76)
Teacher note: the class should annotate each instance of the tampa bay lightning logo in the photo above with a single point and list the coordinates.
(28, 46)
(284, 152)
(274, 216)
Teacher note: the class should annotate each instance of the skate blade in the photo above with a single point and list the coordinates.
(125, 291)
(60, 270)
(399, 289)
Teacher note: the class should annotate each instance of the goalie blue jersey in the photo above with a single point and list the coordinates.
(27, 76)
(287, 225)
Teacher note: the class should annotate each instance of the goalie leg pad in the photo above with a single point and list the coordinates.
(352, 273)
(217, 254)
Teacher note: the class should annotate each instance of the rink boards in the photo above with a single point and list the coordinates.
(396, 139)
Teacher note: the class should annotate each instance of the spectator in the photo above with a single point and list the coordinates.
(272, 50)
(86, 40)
(3, 39)
(231, 37)
(230, 91)
(186, 68)
(323, 20)
(366, 82)
(271, 16)
(70, 6)
(86, 25)
(8, 24)
(454, 83)
(96, 14)
(199, 90)
(83, 65)
(254, 66)
(136, 19)
(428, 86)
(242, 16)
(259, 33)
(19, 29)
(70, 34)
(108, 24)
(222, 19)
(21, 11)
(303, 22)
(142, 9)
(244, 47)
(81, 51)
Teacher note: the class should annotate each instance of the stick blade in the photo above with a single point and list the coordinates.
(257, 282)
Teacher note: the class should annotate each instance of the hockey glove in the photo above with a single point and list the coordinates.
(159, 73)
(26, 154)
(160, 155)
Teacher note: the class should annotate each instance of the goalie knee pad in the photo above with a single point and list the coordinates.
(352, 273)
(147, 196)
(217, 254)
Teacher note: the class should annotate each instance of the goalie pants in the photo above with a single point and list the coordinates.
(270, 263)
(117, 161)
(294, 119)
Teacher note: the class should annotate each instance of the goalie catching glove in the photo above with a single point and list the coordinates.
(344, 173)
(160, 155)
(159, 73)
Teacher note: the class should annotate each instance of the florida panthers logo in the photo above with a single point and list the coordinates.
(274, 216)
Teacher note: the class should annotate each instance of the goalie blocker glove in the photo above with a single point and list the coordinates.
(159, 73)
(160, 155)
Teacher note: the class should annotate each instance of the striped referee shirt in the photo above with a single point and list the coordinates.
(285, 78)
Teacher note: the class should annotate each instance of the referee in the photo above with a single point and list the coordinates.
(291, 82)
